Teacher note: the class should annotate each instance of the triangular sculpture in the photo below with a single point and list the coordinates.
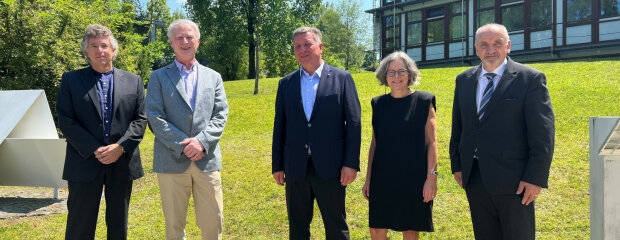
(31, 154)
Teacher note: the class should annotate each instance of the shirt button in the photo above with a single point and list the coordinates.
(106, 121)
(190, 116)
(106, 108)
(107, 134)
(306, 146)
(309, 124)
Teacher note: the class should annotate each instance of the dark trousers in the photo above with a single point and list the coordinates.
(83, 205)
(495, 216)
(330, 196)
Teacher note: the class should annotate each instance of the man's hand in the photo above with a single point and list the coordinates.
(279, 177)
(347, 175)
(531, 192)
(458, 176)
(109, 154)
(193, 149)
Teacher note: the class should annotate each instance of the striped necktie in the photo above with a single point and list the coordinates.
(486, 96)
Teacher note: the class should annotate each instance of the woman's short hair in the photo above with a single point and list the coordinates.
(184, 22)
(412, 69)
(98, 30)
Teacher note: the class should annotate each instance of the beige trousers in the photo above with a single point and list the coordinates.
(206, 187)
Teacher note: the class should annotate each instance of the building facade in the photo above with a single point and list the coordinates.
(443, 31)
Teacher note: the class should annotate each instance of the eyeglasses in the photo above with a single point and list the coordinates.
(400, 72)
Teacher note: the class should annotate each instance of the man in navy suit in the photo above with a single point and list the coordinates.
(101, 114)
(316, 138)
(502, 138)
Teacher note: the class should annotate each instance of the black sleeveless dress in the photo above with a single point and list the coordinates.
(399, 165)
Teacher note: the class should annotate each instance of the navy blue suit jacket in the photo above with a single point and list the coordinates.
(333, 132)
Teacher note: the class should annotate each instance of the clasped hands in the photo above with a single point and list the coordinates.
(347, 176)
(193, 149)
(109, 154)
(531, 191)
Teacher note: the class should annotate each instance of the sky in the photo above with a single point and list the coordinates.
(178, 4)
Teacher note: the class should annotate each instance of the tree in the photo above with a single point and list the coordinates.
(351, 19)
(40, 40)
(223, 35)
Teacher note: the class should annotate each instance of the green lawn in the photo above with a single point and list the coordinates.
(254, 206)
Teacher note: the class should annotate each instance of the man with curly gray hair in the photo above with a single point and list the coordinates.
(101, 114)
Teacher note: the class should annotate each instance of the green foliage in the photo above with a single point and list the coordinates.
(343, 39)
(254, 206)
(40, 40)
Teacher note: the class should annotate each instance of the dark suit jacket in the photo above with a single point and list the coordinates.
(79, 119)
(515, 137)
(333, 132)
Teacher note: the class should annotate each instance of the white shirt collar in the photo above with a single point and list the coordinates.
(182, 67)
(317, 71)
(499, 70)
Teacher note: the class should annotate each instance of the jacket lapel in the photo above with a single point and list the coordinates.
(505, 82)
(200, 84)
(470, 94)
(175, 79)
(88, 81)
(296, 87)
(323, 86)
(119, 83)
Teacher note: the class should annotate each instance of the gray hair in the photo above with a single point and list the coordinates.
(497, 26)
(412, 69)
(315, 32)
(98, 30)
(184, 22)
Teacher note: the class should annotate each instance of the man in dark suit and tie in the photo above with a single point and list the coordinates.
(316, 138)
(101, 114)
(502, 138)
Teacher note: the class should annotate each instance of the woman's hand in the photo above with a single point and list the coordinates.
(430, 188)
(366, 190)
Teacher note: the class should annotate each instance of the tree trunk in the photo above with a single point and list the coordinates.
(251, 46)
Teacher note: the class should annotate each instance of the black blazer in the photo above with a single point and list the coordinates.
(515, 137)
(79, 119)
(333, 132)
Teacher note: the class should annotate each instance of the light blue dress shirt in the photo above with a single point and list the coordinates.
(309, 87)
(190, 78)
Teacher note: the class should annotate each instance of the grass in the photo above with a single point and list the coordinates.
(254, 206)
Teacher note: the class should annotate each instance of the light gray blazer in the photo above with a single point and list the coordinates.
(172, 119)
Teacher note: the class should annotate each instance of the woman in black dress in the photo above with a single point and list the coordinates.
(401, 179)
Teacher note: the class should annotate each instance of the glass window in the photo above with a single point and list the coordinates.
(578, 10)
(456, 27)
(484, 4)
(391, 31)
(414, 16)
(434, 31)
(434, 12)
(414, 34)
(485, 17)
(512, 18)
(456, 8)
(610, 8)
(541, 14)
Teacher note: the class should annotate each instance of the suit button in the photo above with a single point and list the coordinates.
(309, 124)
(190, 116)
(306, 146)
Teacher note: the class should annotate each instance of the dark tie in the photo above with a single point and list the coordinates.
(486, 96)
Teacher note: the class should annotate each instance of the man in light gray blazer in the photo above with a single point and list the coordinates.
(186, 109)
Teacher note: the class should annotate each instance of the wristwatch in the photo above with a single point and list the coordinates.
(434, 172)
